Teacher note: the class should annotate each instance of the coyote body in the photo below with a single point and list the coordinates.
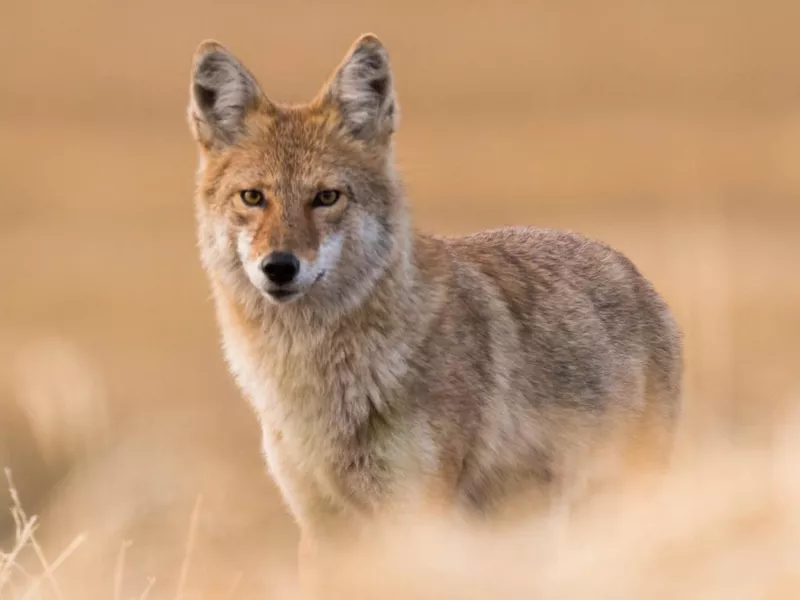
(393, 370)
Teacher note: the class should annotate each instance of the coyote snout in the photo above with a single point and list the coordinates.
(280, 267)
(281, 275)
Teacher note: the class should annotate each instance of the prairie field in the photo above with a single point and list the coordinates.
(670, 129)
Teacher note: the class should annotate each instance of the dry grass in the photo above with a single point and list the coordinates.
(11, 570)
(722, 524)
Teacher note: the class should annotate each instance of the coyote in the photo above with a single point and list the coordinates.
(396, 370)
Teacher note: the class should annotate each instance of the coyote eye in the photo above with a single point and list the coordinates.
(326, 198)
(252, 197)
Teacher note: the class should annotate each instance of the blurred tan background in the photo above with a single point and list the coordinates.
(671, 129)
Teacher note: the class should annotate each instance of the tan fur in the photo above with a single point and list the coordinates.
(414, 372)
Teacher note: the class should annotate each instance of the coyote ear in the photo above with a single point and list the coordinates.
(222, 93)
(361, 90)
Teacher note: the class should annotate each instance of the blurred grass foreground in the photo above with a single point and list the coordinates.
(722, 524)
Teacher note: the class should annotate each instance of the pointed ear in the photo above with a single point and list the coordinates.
(361, 90)
(222, 93)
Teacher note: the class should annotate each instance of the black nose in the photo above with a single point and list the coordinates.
(280, 267)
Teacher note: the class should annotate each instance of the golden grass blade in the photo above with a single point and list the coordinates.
(190, 540)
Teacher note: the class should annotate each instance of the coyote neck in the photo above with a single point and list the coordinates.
(299, 361)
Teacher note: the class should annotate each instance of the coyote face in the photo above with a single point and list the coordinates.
(299, 203)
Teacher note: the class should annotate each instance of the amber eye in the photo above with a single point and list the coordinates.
(252, 197)
(326, 198)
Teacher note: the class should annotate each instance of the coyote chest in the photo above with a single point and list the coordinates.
(324, 418)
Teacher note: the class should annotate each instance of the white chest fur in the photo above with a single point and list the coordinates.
(314, 400)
